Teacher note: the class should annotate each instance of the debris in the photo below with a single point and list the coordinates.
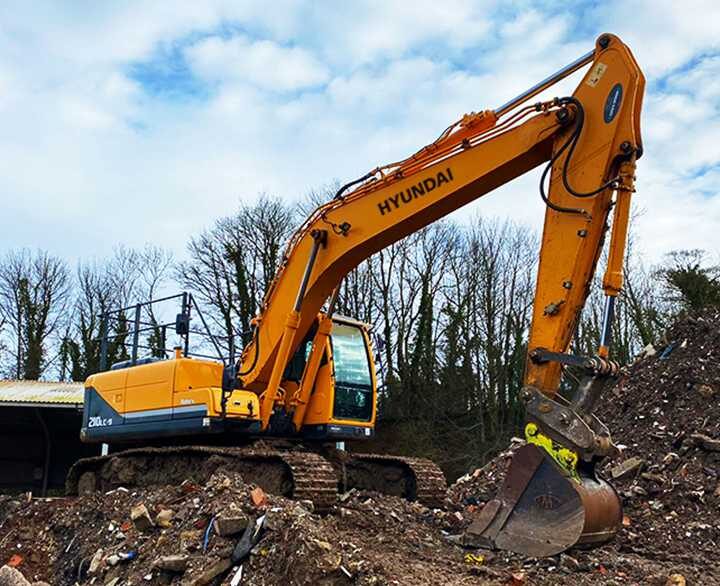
(141, 518)
(706, 391)
(309, 506)
(211, 572)
(9, 576)
(96, 562)
(671, 512)
(258, 496)
(164, 518)
(675, 580)
(116, 558)
(231, 525)
(705, 442)
(208, 531)
(569, 564)
(237, 577)
(172, 563)
(474, 559)
(665, 354)
(627, 467)
(15, 560)
(249, 538)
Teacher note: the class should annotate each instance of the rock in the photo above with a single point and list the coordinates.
(172, 563)
(627, 467)
(652, 477)
(141, 518)
(648, 351)
(258, 496)
(12, 577)
(211, 572)
(225, 526)
(96, 562)
(675, 580)
(164, 518)
(569, 564)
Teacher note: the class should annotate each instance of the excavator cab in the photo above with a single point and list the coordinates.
(343, 401)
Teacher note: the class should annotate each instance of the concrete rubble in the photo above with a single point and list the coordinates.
(228, 532)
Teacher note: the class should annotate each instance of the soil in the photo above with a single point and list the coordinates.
(664, 410)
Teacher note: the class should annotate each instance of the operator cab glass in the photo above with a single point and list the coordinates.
(353, 381)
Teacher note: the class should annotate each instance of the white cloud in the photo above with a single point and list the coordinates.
(305, 93)
(262, 63)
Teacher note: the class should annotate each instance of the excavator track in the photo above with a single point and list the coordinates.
(415, 479)
(300, 475)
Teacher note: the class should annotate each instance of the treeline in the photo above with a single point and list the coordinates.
(450, 308)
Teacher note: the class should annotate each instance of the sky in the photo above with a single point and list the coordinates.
(136, 122)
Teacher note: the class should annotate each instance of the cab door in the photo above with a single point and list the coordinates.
(354, 378)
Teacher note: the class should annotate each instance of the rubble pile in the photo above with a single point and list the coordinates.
(664, 411)
(226, 530)
(472, 491)
(664, 414)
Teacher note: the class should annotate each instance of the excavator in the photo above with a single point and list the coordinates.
(307, 377)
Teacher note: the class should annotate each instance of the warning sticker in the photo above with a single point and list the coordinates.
(596, 74)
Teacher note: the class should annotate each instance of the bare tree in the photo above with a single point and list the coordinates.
(232, 265)
(34, 294)
(96, 293)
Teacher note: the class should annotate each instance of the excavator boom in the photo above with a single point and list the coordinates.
(592, 139)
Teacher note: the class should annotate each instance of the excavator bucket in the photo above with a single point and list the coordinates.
(543, 509)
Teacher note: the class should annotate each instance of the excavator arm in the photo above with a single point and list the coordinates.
(588, 141)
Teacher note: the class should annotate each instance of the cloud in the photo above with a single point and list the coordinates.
(262, 63)
(144, 122)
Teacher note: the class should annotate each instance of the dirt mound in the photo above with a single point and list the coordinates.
(665, 414)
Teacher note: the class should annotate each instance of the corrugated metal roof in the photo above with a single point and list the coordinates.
(39, 393)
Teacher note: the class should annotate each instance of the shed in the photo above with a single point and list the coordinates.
(40, 434)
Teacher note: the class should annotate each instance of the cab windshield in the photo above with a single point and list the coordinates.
(353, 381)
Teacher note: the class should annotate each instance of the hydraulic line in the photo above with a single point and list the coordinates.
(570, 145)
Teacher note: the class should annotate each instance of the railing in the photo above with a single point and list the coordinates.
(111, 321)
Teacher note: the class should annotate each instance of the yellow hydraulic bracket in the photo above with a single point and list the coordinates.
(566, 458)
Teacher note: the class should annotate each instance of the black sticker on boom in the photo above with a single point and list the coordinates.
(612, 104)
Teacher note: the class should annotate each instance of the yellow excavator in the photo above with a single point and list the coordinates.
(307, 376)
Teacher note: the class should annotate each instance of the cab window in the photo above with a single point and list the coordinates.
(353, 380)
